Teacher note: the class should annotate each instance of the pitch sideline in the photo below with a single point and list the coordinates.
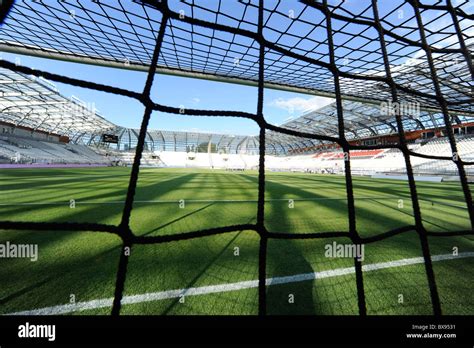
(203, 290)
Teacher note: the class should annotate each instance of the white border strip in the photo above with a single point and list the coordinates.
(176, 201)
(203, 290)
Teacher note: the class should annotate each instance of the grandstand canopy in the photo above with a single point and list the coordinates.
(37, 104)
(161, 140)
(217, 39)
(363, 120)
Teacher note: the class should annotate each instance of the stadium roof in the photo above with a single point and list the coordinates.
(123, 34)
(36, 103)
(161, 140)
(361, 121)
(216, 39)
(366, 120)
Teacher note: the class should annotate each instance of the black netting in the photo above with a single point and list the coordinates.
(267, 55)
(208, 39)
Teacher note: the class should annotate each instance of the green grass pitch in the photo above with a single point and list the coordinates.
(81, 266)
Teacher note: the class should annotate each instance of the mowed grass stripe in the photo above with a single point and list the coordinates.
(204, 290)
(82, 264)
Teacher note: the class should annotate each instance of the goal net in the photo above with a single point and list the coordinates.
(374, 52)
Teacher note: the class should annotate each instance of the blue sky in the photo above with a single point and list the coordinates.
(200, 94)
(173, 91)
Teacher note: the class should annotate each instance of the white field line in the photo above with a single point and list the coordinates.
(203, 290)
(177, 201)
(165, 201)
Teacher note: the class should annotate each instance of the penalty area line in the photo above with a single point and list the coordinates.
(67, 203)
(204, 290)
(177, 201)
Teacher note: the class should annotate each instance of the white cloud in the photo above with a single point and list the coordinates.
(192, 130)
(208, 131)
(299, 104)
(196, 100)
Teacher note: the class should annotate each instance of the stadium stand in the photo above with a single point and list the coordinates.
(23, 150)
(73, 134)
